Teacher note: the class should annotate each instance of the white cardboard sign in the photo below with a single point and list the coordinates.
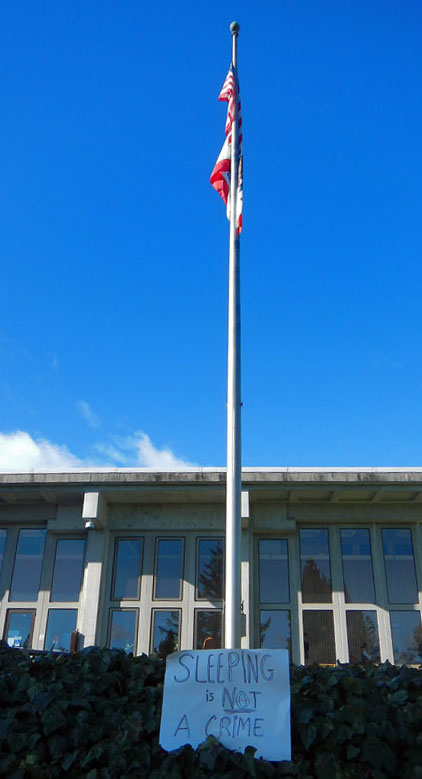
(240, 696)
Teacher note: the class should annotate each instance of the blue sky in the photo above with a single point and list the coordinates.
(113, 296)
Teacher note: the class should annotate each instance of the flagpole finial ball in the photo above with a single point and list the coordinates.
(234, 28)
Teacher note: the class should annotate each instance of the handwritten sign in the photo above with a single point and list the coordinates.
(240, 696)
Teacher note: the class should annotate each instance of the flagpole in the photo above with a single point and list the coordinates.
(234, 462)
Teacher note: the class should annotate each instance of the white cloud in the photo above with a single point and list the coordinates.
(18, 451)
(150, 456)
(87, 413)
(137, 450)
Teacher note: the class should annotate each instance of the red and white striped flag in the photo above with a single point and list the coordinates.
(220, 177)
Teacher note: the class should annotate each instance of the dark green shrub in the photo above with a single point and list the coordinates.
(96, 714)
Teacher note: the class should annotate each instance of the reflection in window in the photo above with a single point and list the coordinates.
(208, 629)
(362, 637)
(273, 571)
(318, 637)
(210, 569)
(28, 563)
(400, 566)
(67, 575)
(123, 629)
(19, 627)
(60, 624)
(3, 534)
(127, 568)
(315, 566)
(274, 629)
(168, 571)
(407, 636)
(165, 632)
(357, 566)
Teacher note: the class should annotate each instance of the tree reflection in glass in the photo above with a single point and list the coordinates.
(362, 637)
(210, 569)
(315, 566)
(165, 632)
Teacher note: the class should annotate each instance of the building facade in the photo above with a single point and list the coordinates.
(331, 561)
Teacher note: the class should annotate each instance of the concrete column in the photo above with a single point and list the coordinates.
(89, 625)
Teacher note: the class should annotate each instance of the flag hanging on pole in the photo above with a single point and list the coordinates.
(220, 177)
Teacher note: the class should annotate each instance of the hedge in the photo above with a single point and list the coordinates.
(96, 714)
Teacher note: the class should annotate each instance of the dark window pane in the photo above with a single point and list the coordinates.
(318, 637)
(165, 632)
(273, 571)
(60, 624)
(67, 575)
(127, 568)
(168, 574)
(400, 566)
(3, 534)
(123, 630)
(207, 629)
(357, 566)
(407, 636)
(315, 566)
(210, 569)
(19, 627)
(28, 563)
(274, 629)
(362, 637)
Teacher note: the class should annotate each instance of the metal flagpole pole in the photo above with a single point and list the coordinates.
(234, 463)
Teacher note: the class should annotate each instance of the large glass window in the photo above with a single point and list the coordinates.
(208, 629)
(122, 633)
(362, 637)
(274, 629)
(318, 637)
(19, 628)
(209, 580)
(400, 566)
(407, 636)
(315, 566)
(127, 568)
(357, 566)
(165, 632)
(68, 566)
(273, 571)
(169, 568)
(3, 534)
(60, 624)
(28, 564)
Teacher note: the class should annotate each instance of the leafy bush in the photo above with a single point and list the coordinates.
(96, 714)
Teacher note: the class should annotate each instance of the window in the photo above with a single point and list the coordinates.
(3, 534)
(318, 637)
(407, 636)
(362, 636)
(165, 632)
(208, 629)
(127, 568)
(169, 568)
(60, 624)
(68, 567)
(274, 629)
(209, 578)
(357, 566)
(315, 566)
(28, 563)
(273, 571)
(19, 628)
(400, 566)
(123, 629)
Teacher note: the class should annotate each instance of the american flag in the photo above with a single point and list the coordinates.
(220, 177)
